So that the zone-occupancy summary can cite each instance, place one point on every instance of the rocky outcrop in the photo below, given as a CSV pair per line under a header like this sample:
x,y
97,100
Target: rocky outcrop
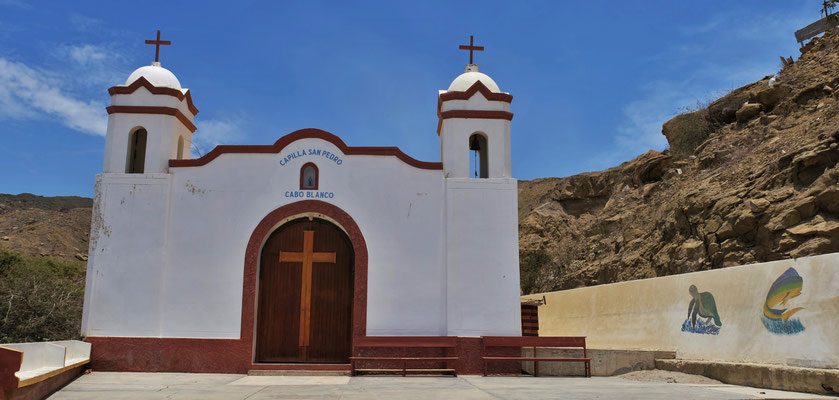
x,y
739,185
687,131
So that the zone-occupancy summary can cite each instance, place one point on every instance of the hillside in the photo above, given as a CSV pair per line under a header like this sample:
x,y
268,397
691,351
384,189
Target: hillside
x,y
739,184
45,226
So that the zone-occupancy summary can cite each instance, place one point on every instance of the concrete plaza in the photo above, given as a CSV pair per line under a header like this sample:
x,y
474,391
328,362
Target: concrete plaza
x,y
112,385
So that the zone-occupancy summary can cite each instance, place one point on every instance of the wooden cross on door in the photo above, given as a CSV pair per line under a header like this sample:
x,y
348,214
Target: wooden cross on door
x,y
307,257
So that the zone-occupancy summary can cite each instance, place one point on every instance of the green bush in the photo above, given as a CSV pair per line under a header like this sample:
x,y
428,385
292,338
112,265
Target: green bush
x,y
530,265
40,298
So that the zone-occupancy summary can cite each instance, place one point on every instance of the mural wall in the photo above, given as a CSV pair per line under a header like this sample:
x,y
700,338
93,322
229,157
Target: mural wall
x,y
781,312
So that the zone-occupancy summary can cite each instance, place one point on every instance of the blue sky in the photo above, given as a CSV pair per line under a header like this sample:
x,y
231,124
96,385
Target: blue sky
x,y
592,80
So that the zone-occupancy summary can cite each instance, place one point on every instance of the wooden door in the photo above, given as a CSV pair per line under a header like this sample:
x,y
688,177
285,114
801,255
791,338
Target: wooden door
x,y
305,294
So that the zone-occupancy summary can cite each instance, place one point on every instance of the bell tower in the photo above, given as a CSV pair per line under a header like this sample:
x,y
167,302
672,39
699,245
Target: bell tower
x,y
481,206
150,120
474,121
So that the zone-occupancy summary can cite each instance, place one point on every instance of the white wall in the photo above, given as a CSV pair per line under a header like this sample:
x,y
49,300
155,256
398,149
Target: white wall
x,y
483,267
167,259
127,257
648,314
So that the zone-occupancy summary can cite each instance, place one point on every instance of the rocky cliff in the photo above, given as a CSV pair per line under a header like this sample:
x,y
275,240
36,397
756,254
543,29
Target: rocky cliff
x,y
750,178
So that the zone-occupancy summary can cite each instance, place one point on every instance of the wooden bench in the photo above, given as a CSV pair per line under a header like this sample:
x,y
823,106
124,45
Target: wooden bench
x,y
535,342
416,343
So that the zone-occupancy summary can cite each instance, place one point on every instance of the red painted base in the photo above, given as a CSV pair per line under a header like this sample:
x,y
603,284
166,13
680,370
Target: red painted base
x,y
233,356
43,389
169,355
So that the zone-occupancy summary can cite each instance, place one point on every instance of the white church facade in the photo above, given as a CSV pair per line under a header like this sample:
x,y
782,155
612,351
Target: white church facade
x,y
278,256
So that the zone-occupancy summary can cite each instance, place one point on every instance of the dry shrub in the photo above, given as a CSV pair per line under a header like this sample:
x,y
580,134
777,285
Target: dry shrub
x,y
40,298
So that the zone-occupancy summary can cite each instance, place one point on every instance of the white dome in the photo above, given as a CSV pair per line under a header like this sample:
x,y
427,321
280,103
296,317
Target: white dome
x,y
156,75
467,79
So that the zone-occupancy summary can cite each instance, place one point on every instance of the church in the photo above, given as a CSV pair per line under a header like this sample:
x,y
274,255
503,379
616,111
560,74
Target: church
x,y
279,256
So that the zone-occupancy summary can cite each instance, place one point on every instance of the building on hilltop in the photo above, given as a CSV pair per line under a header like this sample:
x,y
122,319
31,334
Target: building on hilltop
x,y
259,256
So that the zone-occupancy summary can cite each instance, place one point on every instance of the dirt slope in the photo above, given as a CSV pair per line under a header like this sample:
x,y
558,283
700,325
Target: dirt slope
x,y
45,226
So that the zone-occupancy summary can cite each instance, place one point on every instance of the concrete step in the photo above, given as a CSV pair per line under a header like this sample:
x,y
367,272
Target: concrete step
x,y
298,372
770,376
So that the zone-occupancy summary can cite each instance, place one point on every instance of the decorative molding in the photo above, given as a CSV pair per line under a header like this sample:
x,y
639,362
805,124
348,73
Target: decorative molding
x,y
476,87
309,133
473,114
477,114
143,82
153,110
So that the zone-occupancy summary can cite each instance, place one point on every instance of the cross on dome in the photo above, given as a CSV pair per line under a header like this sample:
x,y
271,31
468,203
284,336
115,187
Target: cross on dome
x,y
471,48
157,43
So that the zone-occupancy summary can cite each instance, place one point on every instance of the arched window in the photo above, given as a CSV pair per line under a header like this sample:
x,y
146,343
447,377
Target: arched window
x,y
180,148
479,156
136,151
309,177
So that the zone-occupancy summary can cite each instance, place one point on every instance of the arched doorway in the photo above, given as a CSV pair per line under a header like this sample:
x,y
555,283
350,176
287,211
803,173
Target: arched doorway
x,y
305,302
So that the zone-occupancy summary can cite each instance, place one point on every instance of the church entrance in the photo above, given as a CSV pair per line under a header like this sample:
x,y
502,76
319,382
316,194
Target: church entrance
x,y
305,294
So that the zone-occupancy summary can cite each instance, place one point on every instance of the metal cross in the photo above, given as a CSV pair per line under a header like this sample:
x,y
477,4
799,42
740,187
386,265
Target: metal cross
x,y
157,43
471,48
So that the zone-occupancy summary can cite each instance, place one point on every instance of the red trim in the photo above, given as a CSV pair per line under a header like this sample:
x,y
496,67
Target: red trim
x,y
476,87
309,133
232,355
143,82
153,110
472,114
10,363
479,114
317,176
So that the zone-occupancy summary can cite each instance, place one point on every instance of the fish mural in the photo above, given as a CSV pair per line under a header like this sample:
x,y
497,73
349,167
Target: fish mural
x,y
702,305
780,320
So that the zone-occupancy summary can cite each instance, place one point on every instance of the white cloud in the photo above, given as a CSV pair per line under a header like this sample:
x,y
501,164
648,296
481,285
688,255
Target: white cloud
x,y
642,120
87,67
86,54
712,24
83,23
639,129
15,3
26,93
212,133
698,71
